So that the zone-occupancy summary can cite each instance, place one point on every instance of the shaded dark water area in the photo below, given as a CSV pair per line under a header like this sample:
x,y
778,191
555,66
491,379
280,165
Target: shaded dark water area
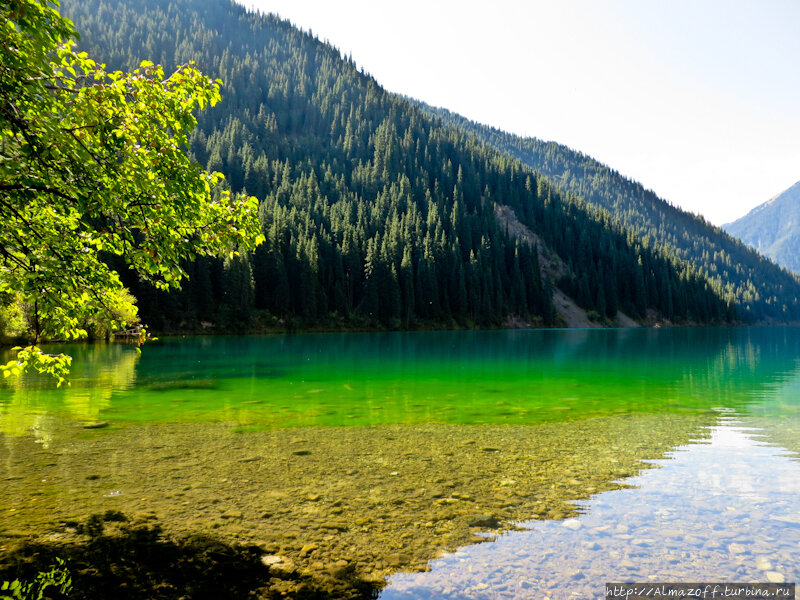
x,y
325,465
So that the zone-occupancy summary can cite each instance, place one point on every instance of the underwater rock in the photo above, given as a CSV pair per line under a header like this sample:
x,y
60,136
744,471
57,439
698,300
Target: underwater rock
x,y
487,521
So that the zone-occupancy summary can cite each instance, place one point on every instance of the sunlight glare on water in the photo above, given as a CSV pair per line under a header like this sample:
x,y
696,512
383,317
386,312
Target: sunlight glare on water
x,y
724,509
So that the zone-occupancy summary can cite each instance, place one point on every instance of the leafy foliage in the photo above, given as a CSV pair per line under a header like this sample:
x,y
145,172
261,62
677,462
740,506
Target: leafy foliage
x,y
375,215
57,576
93,164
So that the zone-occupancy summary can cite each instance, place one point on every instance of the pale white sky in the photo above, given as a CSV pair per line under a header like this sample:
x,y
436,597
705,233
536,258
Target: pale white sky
x,y
698,100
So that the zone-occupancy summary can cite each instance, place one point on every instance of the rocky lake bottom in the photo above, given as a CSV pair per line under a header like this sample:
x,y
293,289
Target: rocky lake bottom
x,y
330,510
722,510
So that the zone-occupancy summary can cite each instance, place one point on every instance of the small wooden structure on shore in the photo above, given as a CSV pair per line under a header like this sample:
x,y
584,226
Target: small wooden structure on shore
x,y
135,335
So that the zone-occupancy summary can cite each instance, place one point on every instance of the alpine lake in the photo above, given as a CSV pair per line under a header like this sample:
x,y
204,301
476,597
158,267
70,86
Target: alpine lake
x,y
471,464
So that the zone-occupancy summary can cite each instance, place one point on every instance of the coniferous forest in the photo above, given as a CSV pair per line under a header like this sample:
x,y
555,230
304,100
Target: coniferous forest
x,y
375,213
761,289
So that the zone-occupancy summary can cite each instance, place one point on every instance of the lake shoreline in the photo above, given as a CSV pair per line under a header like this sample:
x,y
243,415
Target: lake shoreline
x,y
286,330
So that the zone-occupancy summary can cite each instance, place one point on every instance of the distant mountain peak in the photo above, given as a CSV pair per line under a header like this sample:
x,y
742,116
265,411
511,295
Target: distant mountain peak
x,y
773,228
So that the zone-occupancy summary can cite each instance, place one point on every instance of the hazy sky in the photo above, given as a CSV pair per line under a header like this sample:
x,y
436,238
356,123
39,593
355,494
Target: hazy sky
x,y
698,100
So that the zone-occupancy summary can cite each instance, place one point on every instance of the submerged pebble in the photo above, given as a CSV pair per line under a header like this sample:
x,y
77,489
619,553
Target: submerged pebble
x,y
775,577
763,564
736,548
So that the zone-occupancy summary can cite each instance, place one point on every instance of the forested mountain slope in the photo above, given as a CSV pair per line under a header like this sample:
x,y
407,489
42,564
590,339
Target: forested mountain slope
x,y
375,214
761,289
773,228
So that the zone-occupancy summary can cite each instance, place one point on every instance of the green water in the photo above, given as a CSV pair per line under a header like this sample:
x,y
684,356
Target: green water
x,y
337,463
497,377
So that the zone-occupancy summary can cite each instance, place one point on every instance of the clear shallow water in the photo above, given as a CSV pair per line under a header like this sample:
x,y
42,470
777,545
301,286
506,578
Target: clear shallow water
x,y
722,509
381,451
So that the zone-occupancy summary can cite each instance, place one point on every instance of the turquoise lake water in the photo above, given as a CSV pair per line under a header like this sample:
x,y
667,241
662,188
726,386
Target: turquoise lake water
x,y
663,453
